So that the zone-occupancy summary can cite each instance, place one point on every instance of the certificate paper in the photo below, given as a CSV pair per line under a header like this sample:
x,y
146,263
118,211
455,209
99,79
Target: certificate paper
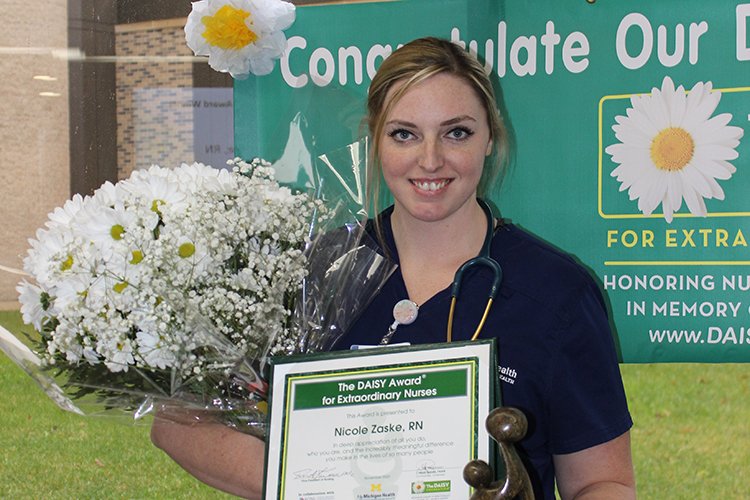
x,y
379,423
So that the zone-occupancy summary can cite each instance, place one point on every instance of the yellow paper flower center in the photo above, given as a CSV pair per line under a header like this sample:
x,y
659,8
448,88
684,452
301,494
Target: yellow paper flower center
x,y
227,29
672,149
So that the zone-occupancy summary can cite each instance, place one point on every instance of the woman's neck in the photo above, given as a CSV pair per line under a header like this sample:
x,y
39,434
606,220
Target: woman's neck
x,y
430,253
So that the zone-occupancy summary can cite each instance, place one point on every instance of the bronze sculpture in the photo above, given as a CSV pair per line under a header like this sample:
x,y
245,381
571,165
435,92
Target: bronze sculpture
x,y
506,426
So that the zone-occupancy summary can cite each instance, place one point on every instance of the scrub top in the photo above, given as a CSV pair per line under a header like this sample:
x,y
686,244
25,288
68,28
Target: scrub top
x,y
556,355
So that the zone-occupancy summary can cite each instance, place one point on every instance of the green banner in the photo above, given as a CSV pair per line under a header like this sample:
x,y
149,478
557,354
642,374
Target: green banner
x,y
631,140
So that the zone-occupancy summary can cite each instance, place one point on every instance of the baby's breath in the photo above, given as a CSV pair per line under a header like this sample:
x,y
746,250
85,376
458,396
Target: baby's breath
x,y
170,269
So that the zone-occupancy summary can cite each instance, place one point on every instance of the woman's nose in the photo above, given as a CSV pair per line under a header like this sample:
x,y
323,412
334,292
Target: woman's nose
x,y
431,157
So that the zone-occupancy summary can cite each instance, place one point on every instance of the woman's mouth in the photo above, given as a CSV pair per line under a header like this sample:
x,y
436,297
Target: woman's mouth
x,y
431,185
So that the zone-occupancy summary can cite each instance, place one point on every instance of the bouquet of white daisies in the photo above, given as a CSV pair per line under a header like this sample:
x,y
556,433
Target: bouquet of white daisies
x,y
175,285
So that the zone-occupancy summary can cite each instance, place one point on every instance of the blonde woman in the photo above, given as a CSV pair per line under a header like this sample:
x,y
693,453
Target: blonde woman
x,y
439,144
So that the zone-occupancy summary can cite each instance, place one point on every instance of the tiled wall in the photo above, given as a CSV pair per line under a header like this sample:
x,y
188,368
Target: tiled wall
x,y
154,116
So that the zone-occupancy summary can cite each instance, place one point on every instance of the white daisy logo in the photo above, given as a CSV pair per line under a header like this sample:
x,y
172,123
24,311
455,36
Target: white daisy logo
x,y
672,149
239,36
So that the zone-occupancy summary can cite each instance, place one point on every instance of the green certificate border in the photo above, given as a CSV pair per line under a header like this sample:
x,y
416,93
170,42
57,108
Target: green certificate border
x,y
292,373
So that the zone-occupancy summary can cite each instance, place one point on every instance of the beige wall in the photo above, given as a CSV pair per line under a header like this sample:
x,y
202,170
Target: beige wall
x,y
34,157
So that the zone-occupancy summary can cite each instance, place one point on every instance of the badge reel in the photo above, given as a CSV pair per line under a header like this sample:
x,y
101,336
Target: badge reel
x,y
404,313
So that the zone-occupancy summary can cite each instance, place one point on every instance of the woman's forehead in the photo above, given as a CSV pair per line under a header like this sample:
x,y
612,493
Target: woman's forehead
x,y
440,93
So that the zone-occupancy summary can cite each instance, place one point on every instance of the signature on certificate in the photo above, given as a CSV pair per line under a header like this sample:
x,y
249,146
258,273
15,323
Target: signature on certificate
x,y
429,467
311,474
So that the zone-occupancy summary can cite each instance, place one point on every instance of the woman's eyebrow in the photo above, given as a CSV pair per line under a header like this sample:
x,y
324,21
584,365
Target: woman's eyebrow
x,y
458,119
402,123
450,121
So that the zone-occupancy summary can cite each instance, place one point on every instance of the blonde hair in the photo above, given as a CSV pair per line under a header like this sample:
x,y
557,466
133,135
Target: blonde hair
x,y
411,64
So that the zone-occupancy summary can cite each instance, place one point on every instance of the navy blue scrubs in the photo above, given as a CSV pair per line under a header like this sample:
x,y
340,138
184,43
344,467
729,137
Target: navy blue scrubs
x,y
555,348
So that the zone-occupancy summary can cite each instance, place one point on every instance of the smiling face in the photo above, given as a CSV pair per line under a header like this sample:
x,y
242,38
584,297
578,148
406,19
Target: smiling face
x,y
432,151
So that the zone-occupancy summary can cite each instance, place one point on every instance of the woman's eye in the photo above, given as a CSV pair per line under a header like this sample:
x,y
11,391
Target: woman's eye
x,y
459,133
400,134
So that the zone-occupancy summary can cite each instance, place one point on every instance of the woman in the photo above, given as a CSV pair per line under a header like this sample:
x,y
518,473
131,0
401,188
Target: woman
x,y
438,143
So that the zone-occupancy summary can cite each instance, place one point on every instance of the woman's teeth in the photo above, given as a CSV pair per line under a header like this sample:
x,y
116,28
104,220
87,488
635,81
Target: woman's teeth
x,y
431,185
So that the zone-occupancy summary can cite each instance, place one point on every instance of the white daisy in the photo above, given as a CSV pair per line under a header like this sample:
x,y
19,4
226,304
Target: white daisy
x,y
155,350
33,304
48,255
154,189
118,354
239,36
60,218
107,194
71,292
671,149
105,226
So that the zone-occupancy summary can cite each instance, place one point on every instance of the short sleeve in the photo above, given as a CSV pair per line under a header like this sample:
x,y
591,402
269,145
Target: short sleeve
x,y
586,403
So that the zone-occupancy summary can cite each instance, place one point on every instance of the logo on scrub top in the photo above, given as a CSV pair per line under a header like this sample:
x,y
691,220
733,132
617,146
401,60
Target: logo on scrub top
x,y
507,374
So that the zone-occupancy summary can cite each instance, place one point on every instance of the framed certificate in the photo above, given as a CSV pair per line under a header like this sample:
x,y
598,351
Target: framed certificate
x,y
391,422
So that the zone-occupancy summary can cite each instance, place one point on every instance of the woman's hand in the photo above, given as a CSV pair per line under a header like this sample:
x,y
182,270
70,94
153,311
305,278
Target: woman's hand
x,y
212,452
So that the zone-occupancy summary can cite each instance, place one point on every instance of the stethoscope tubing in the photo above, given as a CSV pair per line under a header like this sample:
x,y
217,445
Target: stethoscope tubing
x,y
483,259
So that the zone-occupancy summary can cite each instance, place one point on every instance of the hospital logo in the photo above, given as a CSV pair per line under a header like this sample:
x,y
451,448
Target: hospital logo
x,y
376,493
507,374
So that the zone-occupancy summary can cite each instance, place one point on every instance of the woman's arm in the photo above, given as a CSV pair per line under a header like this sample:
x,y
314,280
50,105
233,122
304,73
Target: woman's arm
x,y
601,472
214,453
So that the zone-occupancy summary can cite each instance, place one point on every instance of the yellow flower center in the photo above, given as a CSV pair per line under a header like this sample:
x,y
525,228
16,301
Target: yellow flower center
x,y
186,250
117,231
227,29
672,149
120,287
156,206
137,257
67,263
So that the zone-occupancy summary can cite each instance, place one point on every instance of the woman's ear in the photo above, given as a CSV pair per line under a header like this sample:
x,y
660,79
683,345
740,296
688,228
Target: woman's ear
x,y
490,143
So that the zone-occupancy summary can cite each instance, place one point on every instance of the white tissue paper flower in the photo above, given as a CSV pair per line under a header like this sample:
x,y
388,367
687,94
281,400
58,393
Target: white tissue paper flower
x,y
239,36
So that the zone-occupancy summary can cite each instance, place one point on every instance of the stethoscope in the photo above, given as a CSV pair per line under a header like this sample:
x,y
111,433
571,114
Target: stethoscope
x,y
405,311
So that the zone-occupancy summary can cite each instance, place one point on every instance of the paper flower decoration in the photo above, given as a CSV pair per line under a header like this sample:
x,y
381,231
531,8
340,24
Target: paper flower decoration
x,y
671,149
239,36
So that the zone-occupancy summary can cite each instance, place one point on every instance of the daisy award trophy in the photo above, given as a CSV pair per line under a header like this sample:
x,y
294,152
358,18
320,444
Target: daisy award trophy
x,y
391,422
